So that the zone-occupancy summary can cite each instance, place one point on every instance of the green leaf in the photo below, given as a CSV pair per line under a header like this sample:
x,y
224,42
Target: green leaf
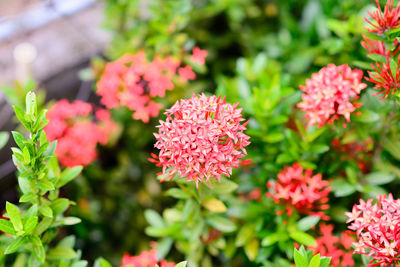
x,y
270,239
61,253
153,218
315,261
68,175
28,197
15,217
67,221
100,262
20,113
59,206
342,188
4,136
38,248
377,58
46,185
251,249
325,262
222,224
303,238
31,103
244,235
30,224
366,116
379,178
46,211
299,260
163,247
27,156
177,193
14,245
214,205
181,264
224,187
43,225
7,227
307,223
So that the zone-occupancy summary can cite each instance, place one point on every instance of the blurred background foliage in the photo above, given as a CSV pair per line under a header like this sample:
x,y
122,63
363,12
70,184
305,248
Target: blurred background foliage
x,y
259,52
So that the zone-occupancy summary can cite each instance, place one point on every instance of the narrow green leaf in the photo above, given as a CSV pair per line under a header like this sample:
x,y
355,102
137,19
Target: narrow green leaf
x,y
28,197
68,175
30,224
299,260
307,223
315,261
177,193
251,249
222,224
270,240
14,245
46,211
7,227
181,264
38,248
153,218
303,238
379,178
59,206
61,253
100,262
15,217
4,136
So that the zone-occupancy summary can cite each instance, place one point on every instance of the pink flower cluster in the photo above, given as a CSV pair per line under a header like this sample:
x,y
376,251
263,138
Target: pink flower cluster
x,y
377,227
134,82
145,259
388,20
336,247
77,136
329,94
299,189
202,137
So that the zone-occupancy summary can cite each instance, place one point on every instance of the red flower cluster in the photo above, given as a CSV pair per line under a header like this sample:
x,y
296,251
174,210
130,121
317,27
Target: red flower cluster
x,y
77,135
299,189
385,78
336,247
388,20
202,137
145,259
330,92
377,227
134,82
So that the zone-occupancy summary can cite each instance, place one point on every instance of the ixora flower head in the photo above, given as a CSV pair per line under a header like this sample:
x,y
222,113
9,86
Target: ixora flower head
x,y
377,227
202,137
388,20
134,82
71,124
330,93
336,247
298,189
145,259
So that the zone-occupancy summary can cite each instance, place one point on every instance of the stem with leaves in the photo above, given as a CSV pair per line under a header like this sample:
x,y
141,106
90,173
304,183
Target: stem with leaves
x,y
32,226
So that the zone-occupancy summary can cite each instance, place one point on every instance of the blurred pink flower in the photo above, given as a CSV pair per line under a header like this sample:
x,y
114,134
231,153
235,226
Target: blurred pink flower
x,y
338,248
145,259
299,189
134,82
202,137
377,227
199,56
186,73
330,94
76,134
388,20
